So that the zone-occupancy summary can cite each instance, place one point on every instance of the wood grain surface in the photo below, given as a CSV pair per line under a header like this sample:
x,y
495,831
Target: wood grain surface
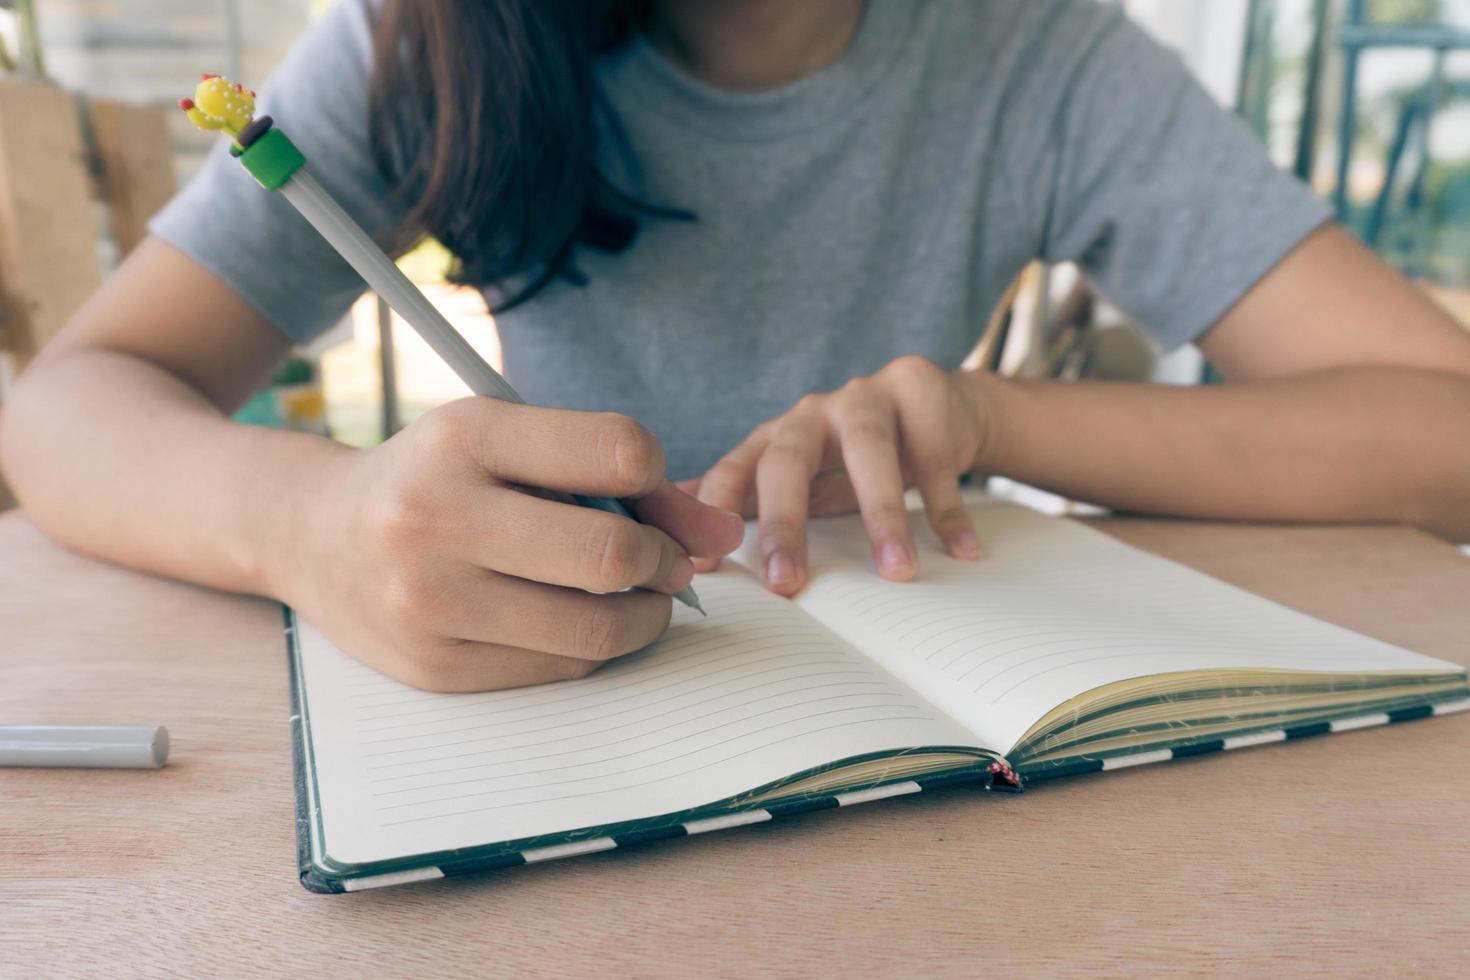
x,y
1341,855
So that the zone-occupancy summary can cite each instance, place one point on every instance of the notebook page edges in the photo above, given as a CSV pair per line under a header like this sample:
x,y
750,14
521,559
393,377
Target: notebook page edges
x,y
1056,609
719,706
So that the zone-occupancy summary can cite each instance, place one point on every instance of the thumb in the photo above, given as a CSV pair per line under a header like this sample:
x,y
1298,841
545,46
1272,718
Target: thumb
x,y
704,531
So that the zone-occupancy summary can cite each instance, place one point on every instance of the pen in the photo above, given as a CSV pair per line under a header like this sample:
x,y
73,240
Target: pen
x,y
277,165
84,746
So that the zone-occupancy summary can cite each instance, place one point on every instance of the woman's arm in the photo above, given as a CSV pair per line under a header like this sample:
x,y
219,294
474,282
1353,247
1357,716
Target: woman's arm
x,y
421,556
116,442
1349,401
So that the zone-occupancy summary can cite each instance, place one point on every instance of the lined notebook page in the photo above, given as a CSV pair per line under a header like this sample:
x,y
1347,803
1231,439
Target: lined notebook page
x,y
1056,609
756,692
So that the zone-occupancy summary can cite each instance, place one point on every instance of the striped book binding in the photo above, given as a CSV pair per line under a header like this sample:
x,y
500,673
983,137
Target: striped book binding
x,y
905,788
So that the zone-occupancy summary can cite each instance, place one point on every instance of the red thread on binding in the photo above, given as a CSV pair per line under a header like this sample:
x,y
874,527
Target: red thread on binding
x,y
1003,773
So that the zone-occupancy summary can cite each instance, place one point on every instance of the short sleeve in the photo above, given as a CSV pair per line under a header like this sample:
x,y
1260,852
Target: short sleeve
x,y
252,239
1166,202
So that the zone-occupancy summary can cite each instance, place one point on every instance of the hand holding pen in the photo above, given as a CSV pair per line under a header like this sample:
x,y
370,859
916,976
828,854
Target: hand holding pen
x,y
462,580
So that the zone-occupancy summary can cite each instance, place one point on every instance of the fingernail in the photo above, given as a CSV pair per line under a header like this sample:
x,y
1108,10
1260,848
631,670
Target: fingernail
x,y
681,576
964,544
896,556
780,569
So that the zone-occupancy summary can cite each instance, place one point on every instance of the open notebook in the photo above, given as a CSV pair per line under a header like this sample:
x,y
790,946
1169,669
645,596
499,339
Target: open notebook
x,y
1063,651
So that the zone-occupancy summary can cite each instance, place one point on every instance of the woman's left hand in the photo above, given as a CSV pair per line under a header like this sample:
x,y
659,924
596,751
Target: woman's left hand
x,y
859,447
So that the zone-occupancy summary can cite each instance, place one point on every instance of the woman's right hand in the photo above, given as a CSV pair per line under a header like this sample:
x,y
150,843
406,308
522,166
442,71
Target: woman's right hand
x,y
428,558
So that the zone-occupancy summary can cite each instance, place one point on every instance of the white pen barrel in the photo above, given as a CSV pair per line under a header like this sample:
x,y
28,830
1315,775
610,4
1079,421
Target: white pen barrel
x,y
389,282
84,746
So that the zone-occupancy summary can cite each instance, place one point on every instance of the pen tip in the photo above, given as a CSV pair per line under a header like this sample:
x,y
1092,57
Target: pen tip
x,y
687,596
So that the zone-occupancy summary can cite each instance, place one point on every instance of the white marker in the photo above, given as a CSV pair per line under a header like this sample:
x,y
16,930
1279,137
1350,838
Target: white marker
x,y
84,746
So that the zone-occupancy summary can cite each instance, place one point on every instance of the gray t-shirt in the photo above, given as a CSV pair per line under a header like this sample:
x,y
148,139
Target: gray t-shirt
x,y
876,208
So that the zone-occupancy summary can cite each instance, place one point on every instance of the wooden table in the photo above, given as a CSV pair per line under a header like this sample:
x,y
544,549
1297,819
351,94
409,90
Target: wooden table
x,y
1341,854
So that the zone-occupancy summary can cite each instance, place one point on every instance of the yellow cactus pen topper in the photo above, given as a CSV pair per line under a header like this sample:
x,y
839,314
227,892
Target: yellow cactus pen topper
x,y
228,107
277,165
218,104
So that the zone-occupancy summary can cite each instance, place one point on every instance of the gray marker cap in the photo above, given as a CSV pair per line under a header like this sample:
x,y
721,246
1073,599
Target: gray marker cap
x,y
84,746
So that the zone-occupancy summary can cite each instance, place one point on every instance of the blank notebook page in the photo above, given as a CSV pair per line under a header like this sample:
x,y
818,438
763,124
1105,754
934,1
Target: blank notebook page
x,y
1053,610
755,693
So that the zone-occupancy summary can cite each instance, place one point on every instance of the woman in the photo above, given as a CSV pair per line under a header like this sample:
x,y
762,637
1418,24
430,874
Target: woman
x,y
769,233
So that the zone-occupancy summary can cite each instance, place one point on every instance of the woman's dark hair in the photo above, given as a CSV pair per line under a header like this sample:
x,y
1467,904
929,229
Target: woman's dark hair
x,y
484,118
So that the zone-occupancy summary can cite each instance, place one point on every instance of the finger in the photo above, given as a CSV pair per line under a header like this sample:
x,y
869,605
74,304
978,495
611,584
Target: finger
x,y
922,427
705,531
730,483
461,666
595,453
870,455
783,480
947,515
487,607
564,544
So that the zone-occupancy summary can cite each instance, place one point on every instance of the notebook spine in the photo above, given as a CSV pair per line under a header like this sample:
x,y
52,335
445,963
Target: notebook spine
x,y
311,879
